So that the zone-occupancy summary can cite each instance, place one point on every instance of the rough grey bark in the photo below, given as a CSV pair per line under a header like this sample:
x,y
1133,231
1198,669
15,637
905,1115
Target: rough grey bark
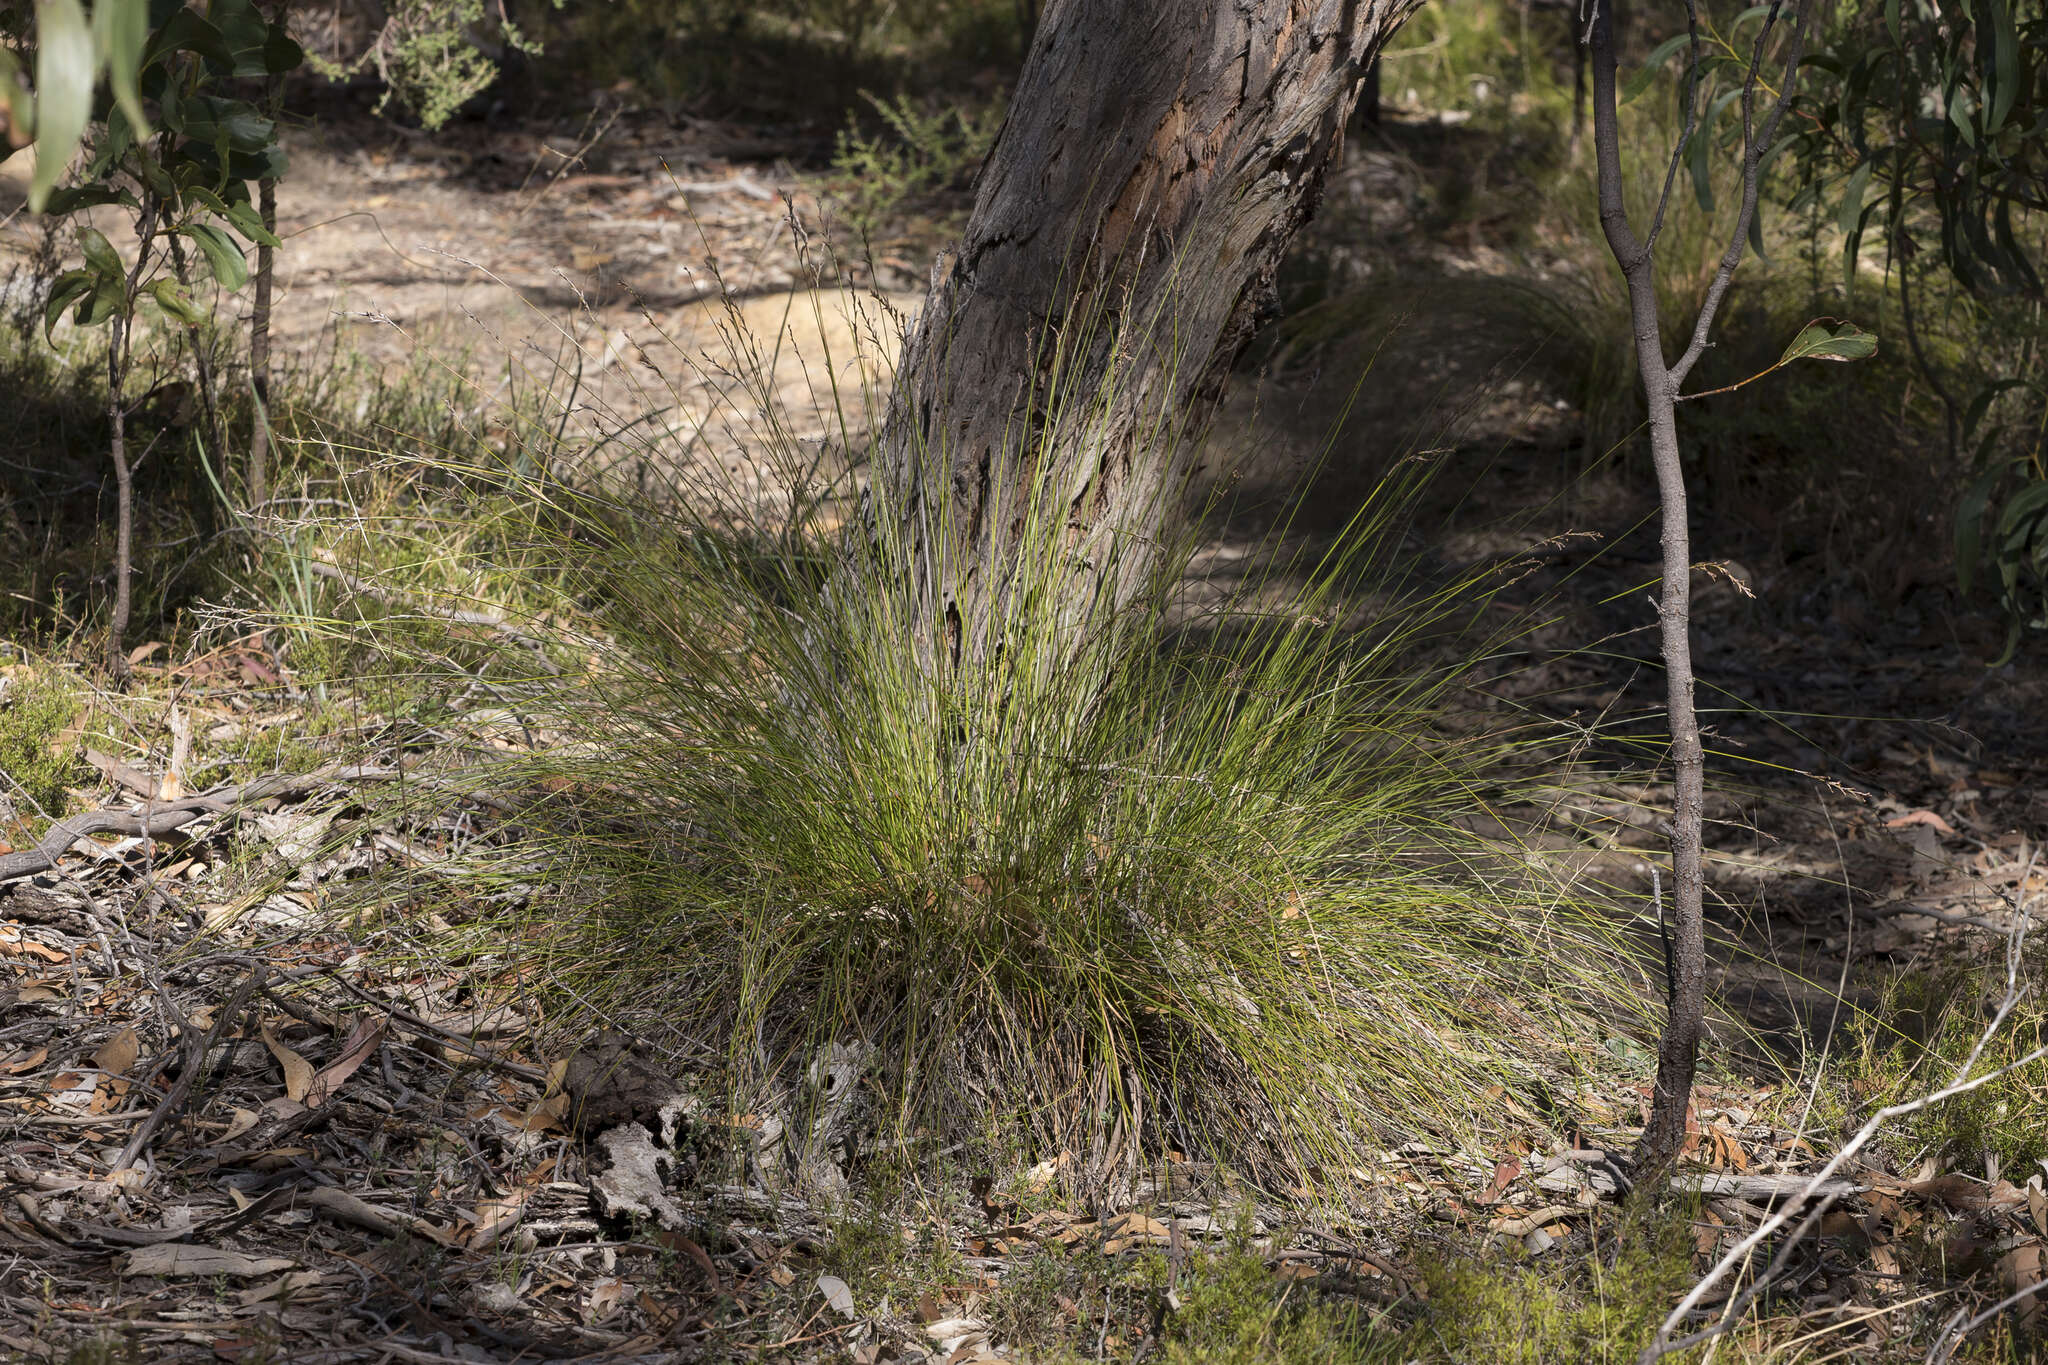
x,y
1159,157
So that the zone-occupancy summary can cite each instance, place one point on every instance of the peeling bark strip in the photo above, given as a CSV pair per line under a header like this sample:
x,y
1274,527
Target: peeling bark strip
x,y
1159,157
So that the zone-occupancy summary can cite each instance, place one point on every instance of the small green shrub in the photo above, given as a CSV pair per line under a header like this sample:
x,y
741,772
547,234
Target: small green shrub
x,y
35,708
1926,1027
1600,1306
924,150
1233,1312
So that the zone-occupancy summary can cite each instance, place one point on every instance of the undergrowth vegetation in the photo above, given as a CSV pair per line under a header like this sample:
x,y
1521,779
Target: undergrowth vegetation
x,y
1928,1024
1181,883
1152,880
36,767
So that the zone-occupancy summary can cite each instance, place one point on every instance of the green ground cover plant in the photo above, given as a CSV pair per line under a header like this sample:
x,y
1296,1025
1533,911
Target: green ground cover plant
x,y
36,707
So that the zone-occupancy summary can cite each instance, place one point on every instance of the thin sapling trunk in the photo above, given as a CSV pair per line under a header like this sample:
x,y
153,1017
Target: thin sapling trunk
x,y
120,355
259,349
1678,1048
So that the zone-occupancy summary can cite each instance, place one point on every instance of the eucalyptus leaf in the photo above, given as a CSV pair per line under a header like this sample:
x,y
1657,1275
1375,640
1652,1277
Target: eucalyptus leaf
x,y
1640,80
99,253
66,68
210,118
65,290
172,298
2002,82
1850,217
249,223
244,33
74,197
186,31
1816,342
281,53
121,27
223,257
108,298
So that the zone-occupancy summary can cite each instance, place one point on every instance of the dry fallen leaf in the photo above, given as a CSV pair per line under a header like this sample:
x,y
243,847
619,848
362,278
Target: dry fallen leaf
x,y
494,1218
2020,1268
605,1297
837,1294
118,1053
282,1286
361,1045
242,1122
1920,817
298,1072
1133,1230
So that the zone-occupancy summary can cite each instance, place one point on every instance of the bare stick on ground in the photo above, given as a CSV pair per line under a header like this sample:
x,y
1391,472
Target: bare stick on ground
x,y
1678,1049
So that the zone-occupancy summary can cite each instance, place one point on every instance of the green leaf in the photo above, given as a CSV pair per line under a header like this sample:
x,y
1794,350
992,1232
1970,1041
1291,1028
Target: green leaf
x,y
185,31
99,253
209,118
75,197
1816,342
1981,403
206,198
243,32
2002,81
281,53
172,298
249,223
66,67
223,257
65,290
109,296
1969,528
121,27
1699,160
1647,72
2016,522
1850,216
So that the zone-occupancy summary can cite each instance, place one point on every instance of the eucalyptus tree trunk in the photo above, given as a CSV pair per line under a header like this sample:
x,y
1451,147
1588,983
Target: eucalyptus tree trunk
x,y
1159,157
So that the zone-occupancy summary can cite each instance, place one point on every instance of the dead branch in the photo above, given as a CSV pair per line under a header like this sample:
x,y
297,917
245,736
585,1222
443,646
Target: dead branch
x,y
154,820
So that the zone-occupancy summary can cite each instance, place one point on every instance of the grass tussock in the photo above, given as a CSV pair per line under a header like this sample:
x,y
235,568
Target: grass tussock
x,y
1176,874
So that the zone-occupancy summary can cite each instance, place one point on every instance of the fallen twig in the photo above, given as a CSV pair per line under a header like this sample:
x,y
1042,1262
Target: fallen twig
x,y
341,1204
400,1012
188,1074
